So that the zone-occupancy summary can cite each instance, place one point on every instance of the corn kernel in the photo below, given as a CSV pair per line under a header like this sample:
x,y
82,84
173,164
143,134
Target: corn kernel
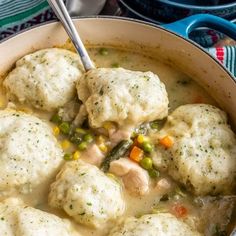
x,y
56,131
100,139
65,144
76,155
141,138
103,147
108,125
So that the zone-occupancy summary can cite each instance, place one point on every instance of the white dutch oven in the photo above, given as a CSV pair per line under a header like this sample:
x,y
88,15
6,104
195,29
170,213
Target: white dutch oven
x,y
137,36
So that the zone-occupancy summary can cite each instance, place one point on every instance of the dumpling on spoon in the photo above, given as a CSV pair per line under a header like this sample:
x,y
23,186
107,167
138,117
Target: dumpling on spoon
x,y
122,96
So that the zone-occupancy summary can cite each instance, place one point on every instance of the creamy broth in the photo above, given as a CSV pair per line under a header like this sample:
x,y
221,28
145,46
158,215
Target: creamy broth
x,y
181,90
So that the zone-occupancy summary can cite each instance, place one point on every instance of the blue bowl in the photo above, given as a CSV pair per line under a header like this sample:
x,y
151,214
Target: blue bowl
x,y
172,10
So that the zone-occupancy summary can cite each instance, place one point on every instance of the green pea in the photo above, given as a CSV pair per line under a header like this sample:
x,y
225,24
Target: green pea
x,y
65,127
88,138
56,119
103,51
67,157
82,146
147,147
153,173
115,65
146,163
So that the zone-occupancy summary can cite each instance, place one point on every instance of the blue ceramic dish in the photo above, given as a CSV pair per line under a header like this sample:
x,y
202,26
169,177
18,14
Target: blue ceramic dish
x,y
172,10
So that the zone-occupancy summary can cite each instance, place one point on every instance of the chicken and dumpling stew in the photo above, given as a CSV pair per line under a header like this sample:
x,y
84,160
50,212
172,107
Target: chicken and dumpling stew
x,y
133,148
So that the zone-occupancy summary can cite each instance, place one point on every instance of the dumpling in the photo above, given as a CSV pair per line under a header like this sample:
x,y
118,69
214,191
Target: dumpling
x,y
45,79
203,156
18,219
29,154
122,96
162,224
87,194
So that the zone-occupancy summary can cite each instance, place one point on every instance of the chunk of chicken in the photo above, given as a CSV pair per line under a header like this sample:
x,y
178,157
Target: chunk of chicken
x,y
135,179
93,155
118,135
163,186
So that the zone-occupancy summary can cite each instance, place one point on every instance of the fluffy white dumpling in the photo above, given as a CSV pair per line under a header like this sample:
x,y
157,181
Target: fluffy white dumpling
x,y
29,153
122,96
18,219
33,222
162,224
203,156
87,194
45,79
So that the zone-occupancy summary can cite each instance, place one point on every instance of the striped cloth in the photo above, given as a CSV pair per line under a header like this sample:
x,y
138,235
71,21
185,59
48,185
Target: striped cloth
x,y
226,55
16,15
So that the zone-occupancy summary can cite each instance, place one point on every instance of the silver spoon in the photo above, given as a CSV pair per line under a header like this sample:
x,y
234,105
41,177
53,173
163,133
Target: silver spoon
x,y
64,17
84,7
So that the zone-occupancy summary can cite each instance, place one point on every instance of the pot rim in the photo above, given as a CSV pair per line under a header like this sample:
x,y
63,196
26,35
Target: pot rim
x,y
124,19
197,7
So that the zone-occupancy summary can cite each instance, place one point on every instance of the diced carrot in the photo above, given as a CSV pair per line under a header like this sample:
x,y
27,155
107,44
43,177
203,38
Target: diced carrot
x,y
136,154
167,142
179,210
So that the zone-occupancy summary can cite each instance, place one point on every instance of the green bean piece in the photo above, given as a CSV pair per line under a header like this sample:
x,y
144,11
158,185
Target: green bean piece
x,y
154,125
64,127
153,173
147,147
88,138
68,157
146,163
80,131
82,146
142,129
116,153
103,51
56,119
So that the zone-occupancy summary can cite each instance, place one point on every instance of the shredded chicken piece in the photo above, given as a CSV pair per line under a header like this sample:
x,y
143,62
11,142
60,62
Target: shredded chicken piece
x,y
93,155
135,179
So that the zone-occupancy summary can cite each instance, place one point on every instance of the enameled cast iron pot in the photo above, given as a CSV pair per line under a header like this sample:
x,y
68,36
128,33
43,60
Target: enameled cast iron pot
x,y
172,10
136,35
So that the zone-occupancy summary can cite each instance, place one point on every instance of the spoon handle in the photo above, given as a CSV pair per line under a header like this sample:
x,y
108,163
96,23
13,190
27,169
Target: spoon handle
x,y
63,15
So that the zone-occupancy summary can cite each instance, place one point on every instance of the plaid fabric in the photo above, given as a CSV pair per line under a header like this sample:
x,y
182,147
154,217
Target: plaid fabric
x,y
16,15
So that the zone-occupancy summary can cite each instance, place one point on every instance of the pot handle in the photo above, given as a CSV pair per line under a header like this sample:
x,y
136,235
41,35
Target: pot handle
x,y
185,26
